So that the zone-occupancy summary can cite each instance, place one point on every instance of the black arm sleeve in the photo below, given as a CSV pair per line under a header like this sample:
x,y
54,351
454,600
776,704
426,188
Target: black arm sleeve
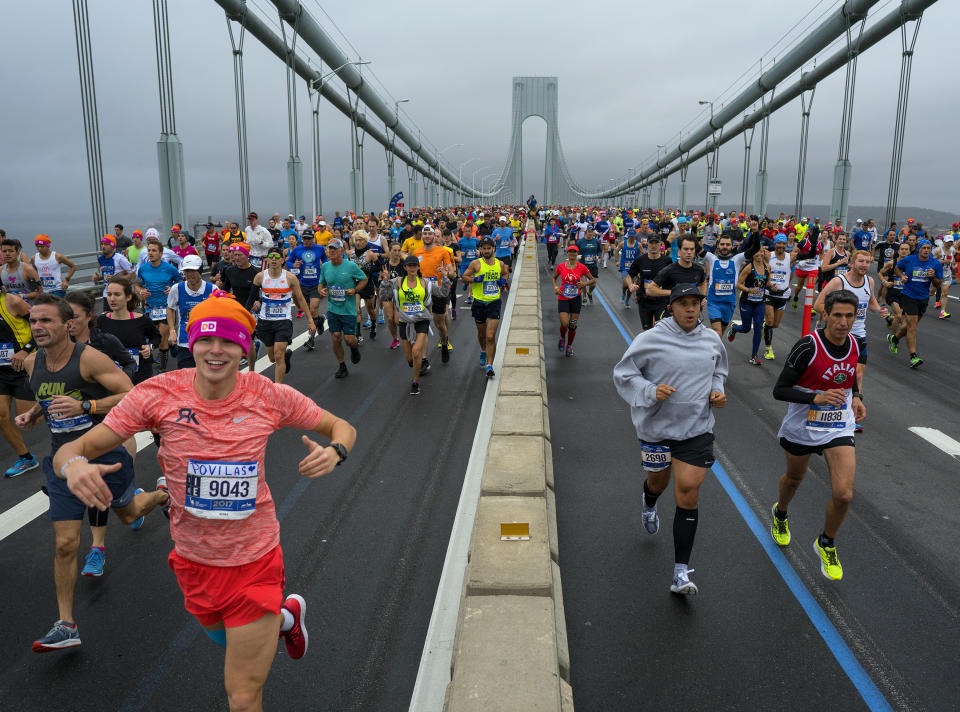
x,y
111,346
252,297
800,357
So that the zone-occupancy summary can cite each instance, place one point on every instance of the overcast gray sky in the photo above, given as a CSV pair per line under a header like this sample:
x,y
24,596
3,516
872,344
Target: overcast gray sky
x,y
626,83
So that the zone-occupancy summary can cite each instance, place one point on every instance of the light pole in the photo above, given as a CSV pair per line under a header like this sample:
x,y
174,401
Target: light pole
x,y
439,156
473,178
483,180
391,181
460,177
314,89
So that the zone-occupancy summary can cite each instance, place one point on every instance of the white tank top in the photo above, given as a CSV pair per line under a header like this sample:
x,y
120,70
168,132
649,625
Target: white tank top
x,y
276,297
780,276
51,278
859,327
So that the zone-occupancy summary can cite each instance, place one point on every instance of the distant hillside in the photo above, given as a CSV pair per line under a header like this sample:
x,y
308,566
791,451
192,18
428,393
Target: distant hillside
x,y
930,218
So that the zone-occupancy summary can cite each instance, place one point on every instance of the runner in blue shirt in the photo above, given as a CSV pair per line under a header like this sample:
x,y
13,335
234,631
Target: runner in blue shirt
x,y
503,240
629,251
722,268
156,277
919,272
589,247
307,259
469,248
861,237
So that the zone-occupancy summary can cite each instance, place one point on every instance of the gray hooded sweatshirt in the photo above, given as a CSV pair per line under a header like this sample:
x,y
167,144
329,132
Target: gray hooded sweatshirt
x,y
694,363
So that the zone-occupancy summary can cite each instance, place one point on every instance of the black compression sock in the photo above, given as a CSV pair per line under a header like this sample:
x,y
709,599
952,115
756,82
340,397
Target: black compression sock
x,y
767,335
913,354
779,514
684,531
895,341
825,540
649,498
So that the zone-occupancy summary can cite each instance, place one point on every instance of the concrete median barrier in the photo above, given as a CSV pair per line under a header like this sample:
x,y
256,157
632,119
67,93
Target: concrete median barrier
x,y
510,649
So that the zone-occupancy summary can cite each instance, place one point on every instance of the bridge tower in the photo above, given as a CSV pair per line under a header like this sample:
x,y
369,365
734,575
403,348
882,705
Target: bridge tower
x,y
534,96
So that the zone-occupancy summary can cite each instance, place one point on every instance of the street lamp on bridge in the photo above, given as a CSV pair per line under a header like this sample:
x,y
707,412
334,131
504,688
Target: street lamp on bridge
x,y
460,177
439,156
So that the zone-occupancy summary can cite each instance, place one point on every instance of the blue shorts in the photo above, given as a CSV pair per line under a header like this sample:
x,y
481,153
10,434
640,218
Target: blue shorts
x,y
64,505
624,273
720,311
346,324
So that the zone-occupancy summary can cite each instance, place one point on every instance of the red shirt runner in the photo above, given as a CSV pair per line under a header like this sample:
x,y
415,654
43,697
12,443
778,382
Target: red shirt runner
x,y
569,279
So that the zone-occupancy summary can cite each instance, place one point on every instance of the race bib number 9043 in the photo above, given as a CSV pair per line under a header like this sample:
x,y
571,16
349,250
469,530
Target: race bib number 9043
x,y
221,490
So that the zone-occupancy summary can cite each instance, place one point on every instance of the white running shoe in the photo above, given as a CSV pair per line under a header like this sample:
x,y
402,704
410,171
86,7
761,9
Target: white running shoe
x,y
651,520
683,585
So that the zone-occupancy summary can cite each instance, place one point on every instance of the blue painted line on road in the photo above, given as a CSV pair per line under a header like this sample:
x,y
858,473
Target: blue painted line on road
x,y
831,636
171,657
616,322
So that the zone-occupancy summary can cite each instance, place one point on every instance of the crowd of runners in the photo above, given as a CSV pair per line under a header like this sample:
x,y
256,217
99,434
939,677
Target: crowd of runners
x,y
690,274
168,347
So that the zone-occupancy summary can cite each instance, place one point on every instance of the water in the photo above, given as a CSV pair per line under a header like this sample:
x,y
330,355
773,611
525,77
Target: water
x,y
74,234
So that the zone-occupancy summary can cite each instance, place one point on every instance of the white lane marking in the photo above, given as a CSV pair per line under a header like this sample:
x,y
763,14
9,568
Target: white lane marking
x,y
433,675
36,504
938,439
22,513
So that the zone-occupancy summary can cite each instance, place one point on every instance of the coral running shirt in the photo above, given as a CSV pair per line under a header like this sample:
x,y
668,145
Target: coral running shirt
x,y
231,431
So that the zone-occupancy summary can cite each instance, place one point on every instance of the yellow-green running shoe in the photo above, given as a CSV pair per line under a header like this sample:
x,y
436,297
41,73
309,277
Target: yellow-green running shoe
x,y
829,563
779,528
769,354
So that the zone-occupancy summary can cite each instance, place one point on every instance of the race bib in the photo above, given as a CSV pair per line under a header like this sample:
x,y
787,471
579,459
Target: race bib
x,y
7,350
655,457
256,262
337,294
67,424
412,308
309,272
589,259
221,490
825,418
135,355
49,282
275,311
158,313
861,312
491,288
722,288
295,271
571,291
778,279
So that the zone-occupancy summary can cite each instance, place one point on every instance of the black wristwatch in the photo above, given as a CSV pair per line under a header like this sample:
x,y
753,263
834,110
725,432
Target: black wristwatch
x,y
341,451
86,406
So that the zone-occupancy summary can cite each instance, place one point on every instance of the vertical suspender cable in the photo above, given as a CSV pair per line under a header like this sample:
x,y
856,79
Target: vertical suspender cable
x,y
241,104
91,126
899,131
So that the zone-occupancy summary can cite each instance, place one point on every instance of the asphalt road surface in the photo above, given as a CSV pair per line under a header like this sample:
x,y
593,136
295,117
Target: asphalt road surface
x,y
364,546
767,631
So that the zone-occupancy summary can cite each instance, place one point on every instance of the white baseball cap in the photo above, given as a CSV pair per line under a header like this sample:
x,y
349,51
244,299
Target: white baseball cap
x,y
191,262
502,219
152,232
948,238
859,221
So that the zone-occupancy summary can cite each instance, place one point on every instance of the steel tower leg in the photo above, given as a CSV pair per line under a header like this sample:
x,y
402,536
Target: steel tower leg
x,y
806,103
173,192
294,164
316,199
906,64
91,125
241,111
760,203
714,168
843,171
